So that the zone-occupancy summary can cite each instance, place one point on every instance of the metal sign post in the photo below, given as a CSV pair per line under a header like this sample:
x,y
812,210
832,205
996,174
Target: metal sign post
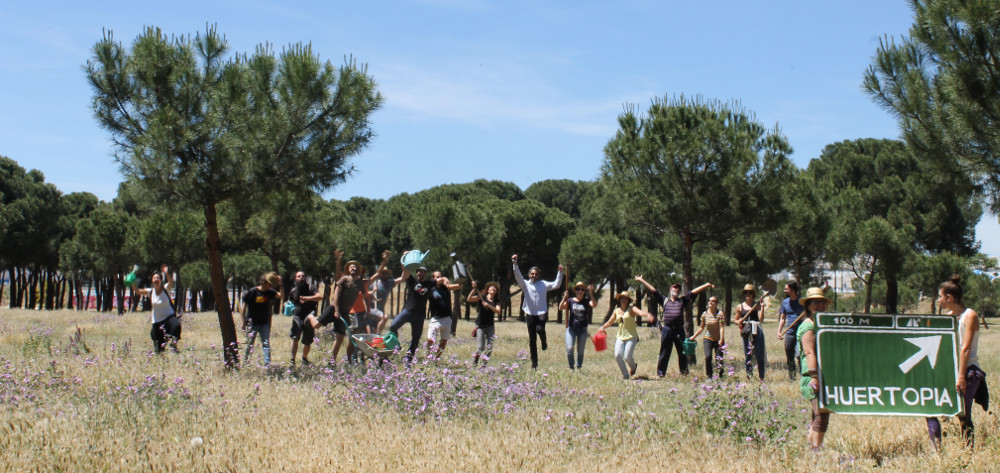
x,y
899,365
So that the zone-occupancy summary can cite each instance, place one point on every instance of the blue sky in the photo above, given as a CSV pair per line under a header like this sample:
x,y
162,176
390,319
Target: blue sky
x,y
519,91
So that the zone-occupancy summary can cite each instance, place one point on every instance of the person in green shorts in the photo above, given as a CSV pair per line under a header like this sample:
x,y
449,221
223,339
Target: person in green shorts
x,y
814,302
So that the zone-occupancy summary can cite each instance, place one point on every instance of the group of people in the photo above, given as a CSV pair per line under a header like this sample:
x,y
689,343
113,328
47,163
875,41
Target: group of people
x,y
359,305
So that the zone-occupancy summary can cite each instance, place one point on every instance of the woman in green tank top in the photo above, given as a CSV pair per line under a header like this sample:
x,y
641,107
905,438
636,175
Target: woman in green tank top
x,y
814,301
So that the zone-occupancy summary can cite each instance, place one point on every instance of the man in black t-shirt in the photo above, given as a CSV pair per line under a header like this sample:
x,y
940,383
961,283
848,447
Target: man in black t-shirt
x,y
305,298
440,308
415,309
256,312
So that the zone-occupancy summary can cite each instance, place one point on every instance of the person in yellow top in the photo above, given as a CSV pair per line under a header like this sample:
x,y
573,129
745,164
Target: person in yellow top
x,y
626,315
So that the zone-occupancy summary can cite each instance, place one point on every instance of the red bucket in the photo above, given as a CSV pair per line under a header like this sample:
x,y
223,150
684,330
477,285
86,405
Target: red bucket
x,y
600,341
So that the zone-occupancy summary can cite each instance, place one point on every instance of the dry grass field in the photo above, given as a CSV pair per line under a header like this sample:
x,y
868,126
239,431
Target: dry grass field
x,y
82,391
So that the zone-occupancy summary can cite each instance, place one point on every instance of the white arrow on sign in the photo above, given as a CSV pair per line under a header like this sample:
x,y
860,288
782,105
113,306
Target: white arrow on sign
x,y
928,348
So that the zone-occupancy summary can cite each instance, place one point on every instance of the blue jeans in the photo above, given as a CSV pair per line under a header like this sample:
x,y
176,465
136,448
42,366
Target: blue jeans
x,y
753,345
416,322
579,337
671,336
265,341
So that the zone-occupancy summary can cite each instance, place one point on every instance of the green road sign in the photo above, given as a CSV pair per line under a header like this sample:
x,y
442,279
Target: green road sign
x,y
902,365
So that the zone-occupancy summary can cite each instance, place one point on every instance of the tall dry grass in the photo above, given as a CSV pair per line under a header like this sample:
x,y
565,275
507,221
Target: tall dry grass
x,y
83,392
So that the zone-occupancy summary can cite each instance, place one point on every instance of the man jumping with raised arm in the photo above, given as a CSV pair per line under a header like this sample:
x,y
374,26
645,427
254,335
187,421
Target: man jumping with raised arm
x,y
535,305
672,324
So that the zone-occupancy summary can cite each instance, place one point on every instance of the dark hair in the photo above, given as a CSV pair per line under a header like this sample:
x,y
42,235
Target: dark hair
x,y
534,268
952,288
793,286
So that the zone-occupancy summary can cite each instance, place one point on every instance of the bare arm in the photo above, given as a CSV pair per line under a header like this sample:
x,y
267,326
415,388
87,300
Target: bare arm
x,y
637,312
168,279
381,267
971,327
340,269
703,287
610,322
336,299
474,295
781,322
590,291
809,349
649,287
701,328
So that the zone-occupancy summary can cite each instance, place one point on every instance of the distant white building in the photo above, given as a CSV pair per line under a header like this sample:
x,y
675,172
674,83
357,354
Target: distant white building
x,y
838,279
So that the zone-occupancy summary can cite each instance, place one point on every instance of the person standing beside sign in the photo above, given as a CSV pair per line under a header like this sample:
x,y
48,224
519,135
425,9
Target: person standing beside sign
x,y
814,301
788,314
970,377
749,317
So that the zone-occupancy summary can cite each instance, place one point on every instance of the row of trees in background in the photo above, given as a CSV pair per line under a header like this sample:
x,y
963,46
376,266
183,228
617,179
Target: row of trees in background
x,y
226,157
866,205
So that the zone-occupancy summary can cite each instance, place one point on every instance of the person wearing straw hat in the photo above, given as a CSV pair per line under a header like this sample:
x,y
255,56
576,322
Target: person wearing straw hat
x,y
627,316
672,334
535,305
580,306
813,302
713,323
489,308
749,317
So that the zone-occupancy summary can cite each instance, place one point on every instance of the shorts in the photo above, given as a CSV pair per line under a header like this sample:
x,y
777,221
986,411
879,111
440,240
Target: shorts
x,y
339,326
439,329
302,330
373,318
356,320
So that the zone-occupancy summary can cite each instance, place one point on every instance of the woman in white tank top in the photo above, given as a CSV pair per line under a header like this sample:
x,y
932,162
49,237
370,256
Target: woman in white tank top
x,y
970,378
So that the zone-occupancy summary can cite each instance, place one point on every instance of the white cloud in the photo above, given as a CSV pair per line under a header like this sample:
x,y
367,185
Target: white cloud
x,y
491,92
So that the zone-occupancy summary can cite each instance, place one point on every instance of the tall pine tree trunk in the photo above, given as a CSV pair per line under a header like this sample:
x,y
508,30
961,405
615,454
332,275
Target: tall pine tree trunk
x,y
891,293
213,245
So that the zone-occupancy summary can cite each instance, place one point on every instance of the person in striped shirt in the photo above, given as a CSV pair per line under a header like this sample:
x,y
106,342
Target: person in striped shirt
x,y
713,323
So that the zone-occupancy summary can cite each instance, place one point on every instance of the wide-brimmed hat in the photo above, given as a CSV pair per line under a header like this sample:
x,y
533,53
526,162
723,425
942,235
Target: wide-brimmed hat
x,y
813,293
623,294
578,285
361,267
491,283
749,288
